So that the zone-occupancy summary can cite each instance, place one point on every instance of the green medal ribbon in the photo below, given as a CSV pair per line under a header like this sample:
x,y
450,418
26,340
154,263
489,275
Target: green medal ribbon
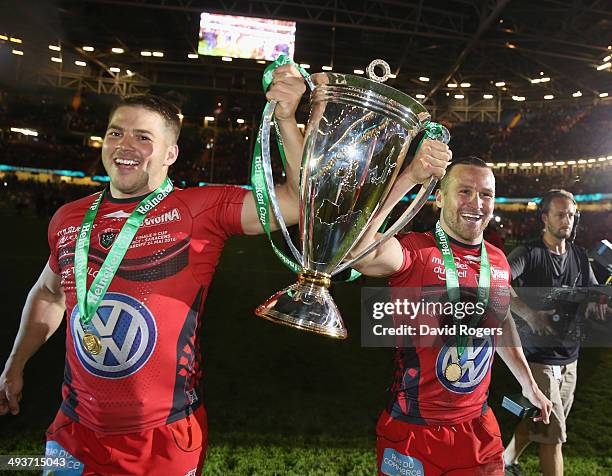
x,y
452,280
88,301
258,178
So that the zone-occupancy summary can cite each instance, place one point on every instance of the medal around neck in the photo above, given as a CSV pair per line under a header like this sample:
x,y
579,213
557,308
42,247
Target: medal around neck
x,y
357,136
92,343
453,372
88,301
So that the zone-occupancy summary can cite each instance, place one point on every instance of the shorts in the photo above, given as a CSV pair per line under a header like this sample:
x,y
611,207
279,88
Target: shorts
x,y
176,449
473,448
560,391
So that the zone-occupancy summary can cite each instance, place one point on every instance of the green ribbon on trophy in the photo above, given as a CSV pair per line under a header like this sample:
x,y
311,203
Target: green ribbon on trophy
x,y
89,301
454,370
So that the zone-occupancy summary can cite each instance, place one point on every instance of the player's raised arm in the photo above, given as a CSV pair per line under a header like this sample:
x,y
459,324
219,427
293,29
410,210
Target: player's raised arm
x,y
41,316
431,160
287,89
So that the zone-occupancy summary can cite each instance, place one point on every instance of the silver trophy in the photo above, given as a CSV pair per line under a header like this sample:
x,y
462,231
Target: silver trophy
x,y
357,136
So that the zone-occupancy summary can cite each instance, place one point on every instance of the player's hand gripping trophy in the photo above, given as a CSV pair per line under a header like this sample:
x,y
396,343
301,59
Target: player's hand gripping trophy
x,y
357,136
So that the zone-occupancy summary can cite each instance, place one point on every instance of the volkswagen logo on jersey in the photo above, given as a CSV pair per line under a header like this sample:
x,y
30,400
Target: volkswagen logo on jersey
x,y
128,333
478,358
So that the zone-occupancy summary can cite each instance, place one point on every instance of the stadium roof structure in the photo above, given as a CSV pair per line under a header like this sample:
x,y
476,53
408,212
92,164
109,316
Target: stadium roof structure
x,y
453,54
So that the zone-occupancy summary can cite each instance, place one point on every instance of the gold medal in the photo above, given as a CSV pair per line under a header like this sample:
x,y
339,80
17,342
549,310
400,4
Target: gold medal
x,y
92,343
453,372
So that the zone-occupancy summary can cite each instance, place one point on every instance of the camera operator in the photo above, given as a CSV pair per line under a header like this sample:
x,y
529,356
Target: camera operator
x,y
551,261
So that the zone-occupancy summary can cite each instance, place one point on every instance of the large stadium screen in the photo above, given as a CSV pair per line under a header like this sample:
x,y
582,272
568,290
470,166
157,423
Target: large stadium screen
x,y
245,37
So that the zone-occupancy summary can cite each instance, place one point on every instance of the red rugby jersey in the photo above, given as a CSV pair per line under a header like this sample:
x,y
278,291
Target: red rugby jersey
x,y
148,372
420,393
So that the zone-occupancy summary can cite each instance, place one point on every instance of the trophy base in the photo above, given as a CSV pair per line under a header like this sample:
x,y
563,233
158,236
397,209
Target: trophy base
x,y
306,306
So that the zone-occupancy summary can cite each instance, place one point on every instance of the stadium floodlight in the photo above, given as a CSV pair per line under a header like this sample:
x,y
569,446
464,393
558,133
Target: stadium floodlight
x,y
606,65
358,71
17,52
582,161
518,98
158,54
459,96
261,61
537,164
88,48
145,53
209,118
425,79
96,138
603,95
240,121
513,164
305,65
55,59
465,85
326,68
117,51
55,48
227,59
16,40
3,38
114,69
548,164
192,56
590,161
526,164
490,164
502,164
499,84
571,162
24,131
601,159
549,96
560,162
452,85
577,94
487,96
545,79
609,157
129,72
420,96
536,81
607,58
80,63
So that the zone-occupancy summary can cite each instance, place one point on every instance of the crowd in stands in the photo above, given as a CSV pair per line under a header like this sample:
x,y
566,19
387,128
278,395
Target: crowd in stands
x,y
544,135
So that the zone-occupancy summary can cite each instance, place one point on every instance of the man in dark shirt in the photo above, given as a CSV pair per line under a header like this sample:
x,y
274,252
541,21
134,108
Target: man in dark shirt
x,y
551,261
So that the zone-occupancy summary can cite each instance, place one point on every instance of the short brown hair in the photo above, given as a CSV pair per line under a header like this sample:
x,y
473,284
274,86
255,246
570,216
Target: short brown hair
x,y
168,111
469,160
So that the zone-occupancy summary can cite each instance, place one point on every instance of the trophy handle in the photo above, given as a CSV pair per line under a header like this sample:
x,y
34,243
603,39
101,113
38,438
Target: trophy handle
x,y
433,131
401,222
267,168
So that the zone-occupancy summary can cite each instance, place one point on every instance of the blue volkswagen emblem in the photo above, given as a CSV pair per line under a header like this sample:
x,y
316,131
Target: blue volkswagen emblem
x,y
128,333
478,360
